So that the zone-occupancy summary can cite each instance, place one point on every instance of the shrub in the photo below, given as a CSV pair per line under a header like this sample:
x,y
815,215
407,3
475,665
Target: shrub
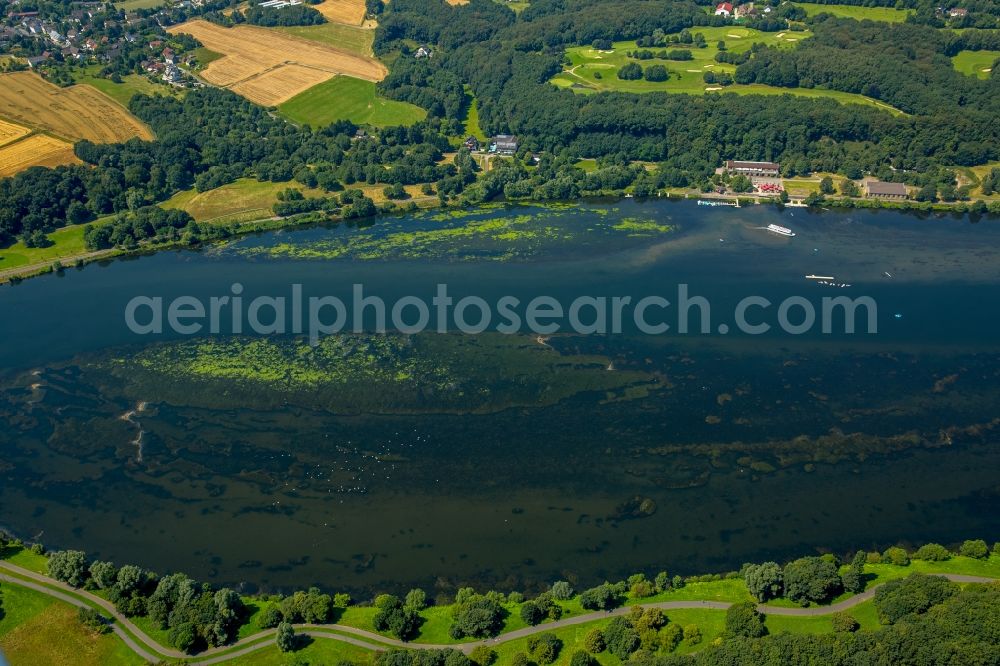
x,y
594,641
544,647
271,617
285,638
561,590
692,634
671,636
932,552
182,636
744,621
483,656
392,616
581,658
656,73
811,579
602,597
93,620
764,581
531,613
976,548
476,616
630,72
642,589
842,622
416,599
896,555
621,638
662,581
68,566
912,595
103,574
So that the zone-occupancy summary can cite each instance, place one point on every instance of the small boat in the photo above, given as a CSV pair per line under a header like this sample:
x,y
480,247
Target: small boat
x,y
887,274
819,277
781,231
898,316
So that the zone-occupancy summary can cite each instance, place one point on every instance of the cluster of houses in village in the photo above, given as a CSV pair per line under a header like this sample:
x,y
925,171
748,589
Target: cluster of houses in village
x,y
745,10
76,38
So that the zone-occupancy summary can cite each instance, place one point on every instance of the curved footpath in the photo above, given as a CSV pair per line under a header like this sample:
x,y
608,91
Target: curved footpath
x,y
133,636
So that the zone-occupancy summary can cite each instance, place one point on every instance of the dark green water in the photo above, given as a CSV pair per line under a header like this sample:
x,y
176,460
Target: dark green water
x,y
378,462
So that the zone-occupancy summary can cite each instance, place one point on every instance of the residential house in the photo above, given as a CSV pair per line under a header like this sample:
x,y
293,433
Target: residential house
x,y
422,52
724,9
764,169
746,10
35,61
958,12
880,190
472,143
504,144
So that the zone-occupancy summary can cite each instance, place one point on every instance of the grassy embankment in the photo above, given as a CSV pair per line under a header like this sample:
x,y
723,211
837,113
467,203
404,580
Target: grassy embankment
x,y
884,14
131,85
28,606
592,70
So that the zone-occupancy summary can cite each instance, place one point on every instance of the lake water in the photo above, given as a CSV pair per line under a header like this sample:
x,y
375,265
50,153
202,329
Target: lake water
x,y
378,462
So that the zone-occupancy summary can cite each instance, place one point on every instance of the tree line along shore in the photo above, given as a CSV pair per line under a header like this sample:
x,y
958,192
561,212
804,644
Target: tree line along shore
x,y
799,600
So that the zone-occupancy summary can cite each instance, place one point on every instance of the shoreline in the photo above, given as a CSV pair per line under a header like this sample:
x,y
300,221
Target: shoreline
x,y
59,264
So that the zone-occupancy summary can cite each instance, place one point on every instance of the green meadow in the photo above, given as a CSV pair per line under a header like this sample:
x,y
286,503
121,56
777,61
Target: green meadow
x,y
591,70
885,14
348,38
131,85
346,98
975,63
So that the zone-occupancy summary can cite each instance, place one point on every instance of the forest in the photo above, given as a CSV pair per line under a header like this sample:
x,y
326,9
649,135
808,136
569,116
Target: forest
x,y
506,62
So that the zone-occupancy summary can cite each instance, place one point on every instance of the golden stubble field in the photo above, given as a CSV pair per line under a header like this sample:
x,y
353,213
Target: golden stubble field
x,y
73,113
269,67
348,12
36,150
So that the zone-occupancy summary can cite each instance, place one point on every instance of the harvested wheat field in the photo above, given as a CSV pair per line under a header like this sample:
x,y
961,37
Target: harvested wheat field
x,y
37,150
11,132
269,67
348,12
457,2
279,85
77,112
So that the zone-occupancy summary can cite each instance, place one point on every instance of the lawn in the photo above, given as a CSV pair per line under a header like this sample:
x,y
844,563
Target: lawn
x,y
348,38
975,63
346,98
321,651
472,121
35,629
885,14
67,242
132,5
203,56
591,70
242,200
131,85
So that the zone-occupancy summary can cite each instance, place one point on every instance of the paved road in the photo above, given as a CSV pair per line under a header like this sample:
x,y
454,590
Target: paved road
x,y
373,641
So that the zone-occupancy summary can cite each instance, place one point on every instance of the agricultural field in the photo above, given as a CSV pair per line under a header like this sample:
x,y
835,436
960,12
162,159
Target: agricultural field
x,y
344,37
10,132
347,12
885,14
270,67
346,98
975,63
592,70
74,113
36,150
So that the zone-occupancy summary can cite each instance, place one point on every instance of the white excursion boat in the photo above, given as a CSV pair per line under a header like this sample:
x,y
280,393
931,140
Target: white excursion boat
x,y
783,231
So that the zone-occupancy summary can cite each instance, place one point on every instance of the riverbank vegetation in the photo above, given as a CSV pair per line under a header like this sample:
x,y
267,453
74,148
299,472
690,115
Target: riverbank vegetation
x,y
191,616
